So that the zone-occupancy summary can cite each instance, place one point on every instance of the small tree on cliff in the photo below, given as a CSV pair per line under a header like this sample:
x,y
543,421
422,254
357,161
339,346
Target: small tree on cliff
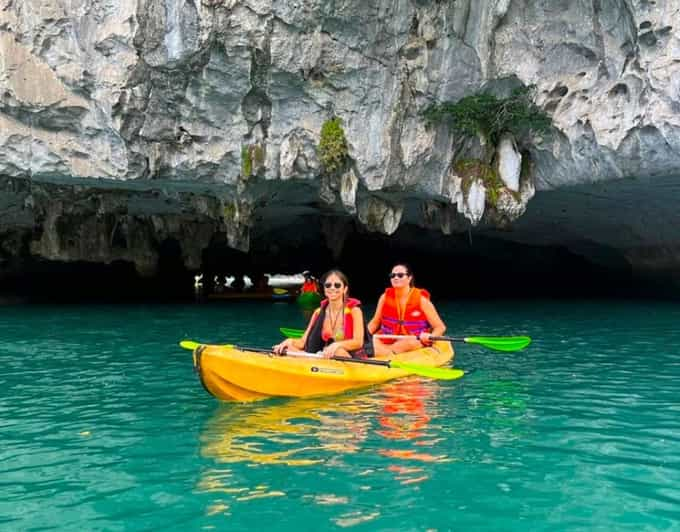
x,y
487,117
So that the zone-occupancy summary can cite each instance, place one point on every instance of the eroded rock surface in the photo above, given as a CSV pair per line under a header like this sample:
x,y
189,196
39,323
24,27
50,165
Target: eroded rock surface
x,y
128,122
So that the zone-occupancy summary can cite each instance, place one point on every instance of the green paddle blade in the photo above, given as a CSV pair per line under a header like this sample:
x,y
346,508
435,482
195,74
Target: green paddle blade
x,y
500,343
189,344
291,333
428,371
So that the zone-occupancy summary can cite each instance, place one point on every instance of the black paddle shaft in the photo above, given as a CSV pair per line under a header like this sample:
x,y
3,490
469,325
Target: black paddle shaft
x,y
341,359
364,361
255,349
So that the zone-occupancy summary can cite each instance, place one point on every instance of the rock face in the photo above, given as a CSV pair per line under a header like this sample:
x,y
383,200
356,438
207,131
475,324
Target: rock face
x,y
124,123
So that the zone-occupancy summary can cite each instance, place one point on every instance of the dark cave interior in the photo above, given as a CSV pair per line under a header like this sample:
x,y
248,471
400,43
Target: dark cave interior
x,y
451,267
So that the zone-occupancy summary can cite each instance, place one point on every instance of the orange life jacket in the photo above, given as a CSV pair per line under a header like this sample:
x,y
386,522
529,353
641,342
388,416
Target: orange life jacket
x,y
410,320
308,286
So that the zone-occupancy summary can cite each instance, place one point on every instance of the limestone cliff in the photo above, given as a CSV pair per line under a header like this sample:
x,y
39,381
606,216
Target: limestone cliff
x,y
127,122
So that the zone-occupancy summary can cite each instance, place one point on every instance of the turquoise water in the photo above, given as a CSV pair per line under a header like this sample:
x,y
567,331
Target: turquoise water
x,y
104,426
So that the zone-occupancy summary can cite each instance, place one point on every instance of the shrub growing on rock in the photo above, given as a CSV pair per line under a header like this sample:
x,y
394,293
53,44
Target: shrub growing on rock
x,y
488,117
332,150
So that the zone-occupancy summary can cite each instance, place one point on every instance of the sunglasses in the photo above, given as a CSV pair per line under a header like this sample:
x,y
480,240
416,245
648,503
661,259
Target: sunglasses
x,y
398,274
332,285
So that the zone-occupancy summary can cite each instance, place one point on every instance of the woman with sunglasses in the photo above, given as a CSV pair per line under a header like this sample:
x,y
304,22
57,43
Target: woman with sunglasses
x,y
336,327
404,310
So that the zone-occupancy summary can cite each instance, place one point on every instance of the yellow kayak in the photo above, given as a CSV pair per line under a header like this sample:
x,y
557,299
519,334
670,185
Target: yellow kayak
x,y
234,374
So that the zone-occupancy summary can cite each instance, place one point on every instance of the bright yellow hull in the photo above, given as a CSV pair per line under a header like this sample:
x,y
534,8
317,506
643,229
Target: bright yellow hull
x,y
232,374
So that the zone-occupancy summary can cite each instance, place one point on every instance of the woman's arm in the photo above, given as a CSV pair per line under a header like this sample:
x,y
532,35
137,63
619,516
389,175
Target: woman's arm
x,y
374,324
299,343
357,341
294,343
432,316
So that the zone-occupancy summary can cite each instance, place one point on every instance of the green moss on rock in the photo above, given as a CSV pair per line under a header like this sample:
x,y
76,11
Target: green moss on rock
x,y
229,212
257,155
332,150
246,162
470,170
252,159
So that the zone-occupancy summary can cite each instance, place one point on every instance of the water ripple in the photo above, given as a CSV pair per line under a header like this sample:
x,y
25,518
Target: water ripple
x,y
105,426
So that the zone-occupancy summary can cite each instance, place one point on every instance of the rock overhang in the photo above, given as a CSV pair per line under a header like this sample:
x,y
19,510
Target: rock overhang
x,y
162,103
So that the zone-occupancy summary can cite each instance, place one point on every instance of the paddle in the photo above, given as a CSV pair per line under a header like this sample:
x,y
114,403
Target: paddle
x,y
291,333
499,343
424,371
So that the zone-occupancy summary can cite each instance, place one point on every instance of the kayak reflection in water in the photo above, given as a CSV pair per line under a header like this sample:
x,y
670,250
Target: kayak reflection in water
x,y
298,432
336,327
404,416
393,421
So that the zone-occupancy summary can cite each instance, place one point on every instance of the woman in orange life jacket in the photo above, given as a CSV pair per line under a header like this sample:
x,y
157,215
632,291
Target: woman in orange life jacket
x,y
404,310
337,327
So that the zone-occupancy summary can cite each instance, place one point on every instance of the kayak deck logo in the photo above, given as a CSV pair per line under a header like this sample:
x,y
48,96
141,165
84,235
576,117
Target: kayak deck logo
x,y
331,371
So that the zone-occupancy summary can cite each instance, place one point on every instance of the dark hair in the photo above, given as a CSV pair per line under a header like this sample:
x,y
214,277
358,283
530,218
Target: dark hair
x,y
408,271
342,276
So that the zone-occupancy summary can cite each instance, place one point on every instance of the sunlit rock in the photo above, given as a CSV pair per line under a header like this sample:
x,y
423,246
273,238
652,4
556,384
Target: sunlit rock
x,y
378,215
348,190
471,205
509,162
297,156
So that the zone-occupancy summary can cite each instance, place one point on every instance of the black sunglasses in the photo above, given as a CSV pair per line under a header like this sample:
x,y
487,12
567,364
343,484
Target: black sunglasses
x,y
398,274
335,285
